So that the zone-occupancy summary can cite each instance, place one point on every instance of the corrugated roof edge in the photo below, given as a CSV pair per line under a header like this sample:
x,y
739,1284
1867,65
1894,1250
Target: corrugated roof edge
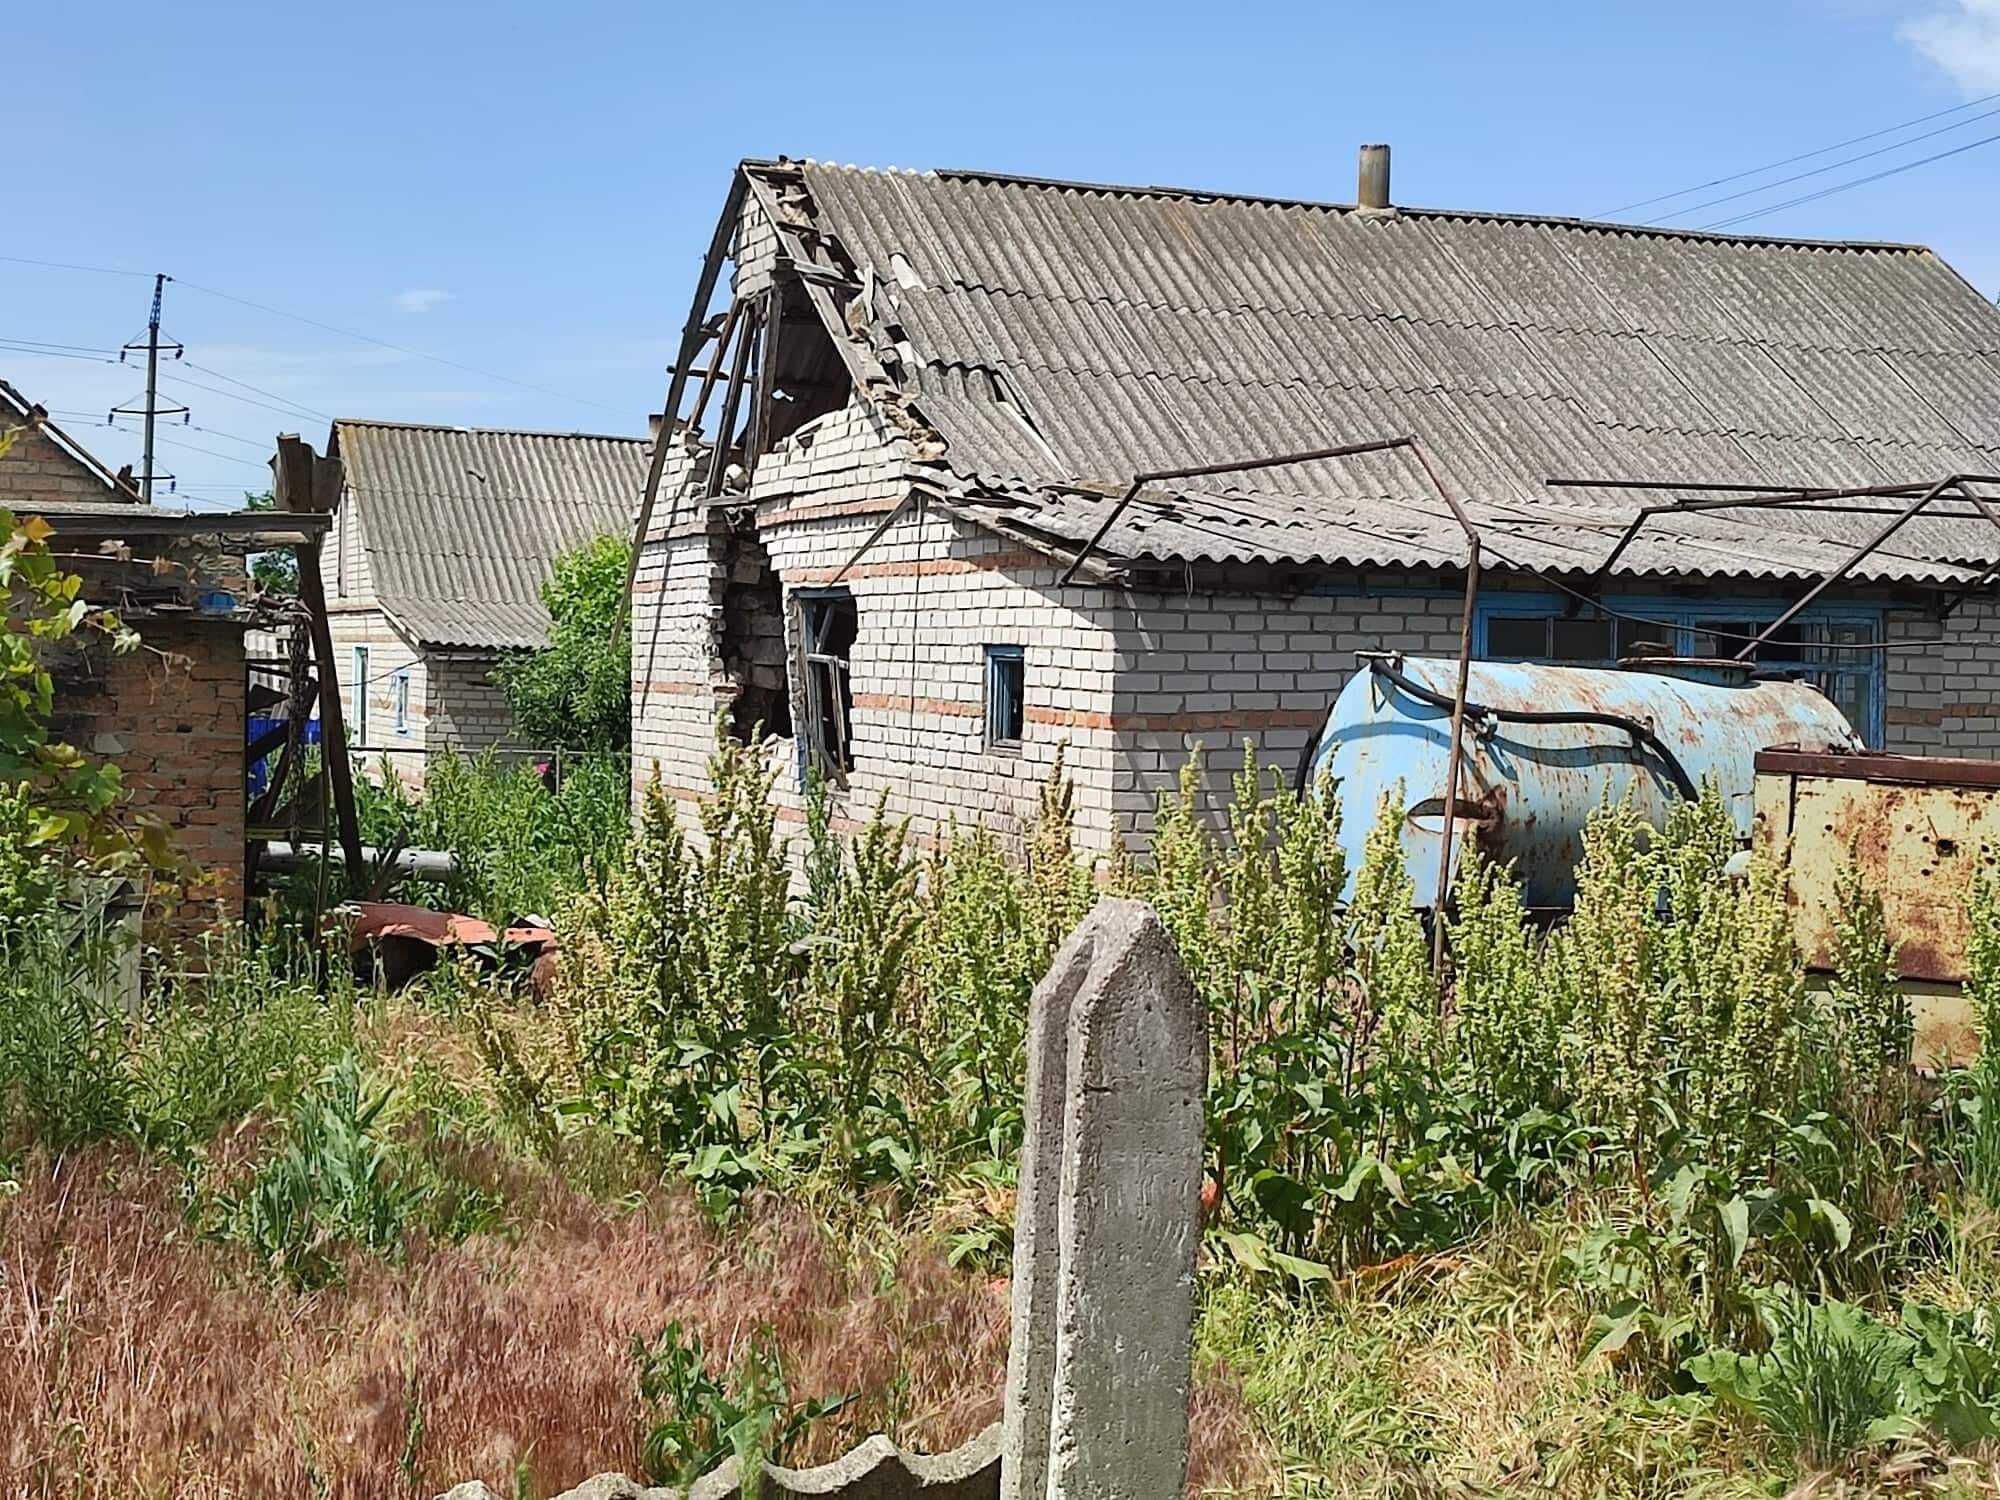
x,y
1554,221
600,437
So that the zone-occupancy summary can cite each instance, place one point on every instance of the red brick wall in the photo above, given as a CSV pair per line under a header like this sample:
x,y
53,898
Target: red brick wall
x,y
36,469
171,716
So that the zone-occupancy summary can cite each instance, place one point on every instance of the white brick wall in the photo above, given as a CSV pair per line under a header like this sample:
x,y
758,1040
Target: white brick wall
x,y
466,711
1130,681
1945,700
931,594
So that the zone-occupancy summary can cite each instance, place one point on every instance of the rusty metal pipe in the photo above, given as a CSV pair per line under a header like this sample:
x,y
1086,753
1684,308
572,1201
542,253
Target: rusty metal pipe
x,y
1234,466
1854,560
1457,756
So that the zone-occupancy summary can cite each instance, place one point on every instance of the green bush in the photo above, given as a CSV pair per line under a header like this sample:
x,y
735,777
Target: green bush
x,y
521,847
576,692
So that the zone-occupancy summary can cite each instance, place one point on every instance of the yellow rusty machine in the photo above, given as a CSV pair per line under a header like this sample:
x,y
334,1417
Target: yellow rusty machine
x,y
1918,826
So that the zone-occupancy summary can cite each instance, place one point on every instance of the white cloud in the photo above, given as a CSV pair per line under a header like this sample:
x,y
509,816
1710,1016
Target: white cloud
x,y
1962,38
420,299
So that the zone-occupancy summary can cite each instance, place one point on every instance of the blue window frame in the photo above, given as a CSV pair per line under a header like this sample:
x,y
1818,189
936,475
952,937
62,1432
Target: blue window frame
x,y
1536,627
1006,695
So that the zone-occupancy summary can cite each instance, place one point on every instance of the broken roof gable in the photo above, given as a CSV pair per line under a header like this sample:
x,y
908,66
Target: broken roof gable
x,y
1053,332
464,524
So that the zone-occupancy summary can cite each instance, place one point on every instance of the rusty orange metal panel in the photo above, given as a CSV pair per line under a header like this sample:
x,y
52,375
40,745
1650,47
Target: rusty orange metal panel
x,y
1916,825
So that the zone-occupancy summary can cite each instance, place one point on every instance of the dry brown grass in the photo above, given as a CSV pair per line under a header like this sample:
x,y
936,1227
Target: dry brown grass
x,y
144,1363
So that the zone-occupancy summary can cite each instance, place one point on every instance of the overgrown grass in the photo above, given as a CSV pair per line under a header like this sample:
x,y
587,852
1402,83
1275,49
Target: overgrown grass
x,y
1625,1208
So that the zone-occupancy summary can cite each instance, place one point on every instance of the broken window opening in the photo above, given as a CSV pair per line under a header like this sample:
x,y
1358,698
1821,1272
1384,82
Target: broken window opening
x,y
752,644
1006,696
807,378
830,623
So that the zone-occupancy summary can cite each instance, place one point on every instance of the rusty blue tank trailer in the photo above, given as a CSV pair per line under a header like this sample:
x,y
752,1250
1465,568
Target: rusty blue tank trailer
x,y
1546,746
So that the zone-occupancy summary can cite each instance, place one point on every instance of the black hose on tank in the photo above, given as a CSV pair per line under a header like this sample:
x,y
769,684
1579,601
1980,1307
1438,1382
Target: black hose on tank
x,y
1676,772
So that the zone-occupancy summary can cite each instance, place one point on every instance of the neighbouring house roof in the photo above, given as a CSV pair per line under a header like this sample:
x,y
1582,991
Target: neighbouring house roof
x,y
1050,339
463,525
17,410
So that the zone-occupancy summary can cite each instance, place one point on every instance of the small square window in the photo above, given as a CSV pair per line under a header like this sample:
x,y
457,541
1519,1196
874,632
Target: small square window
x,y
1006,694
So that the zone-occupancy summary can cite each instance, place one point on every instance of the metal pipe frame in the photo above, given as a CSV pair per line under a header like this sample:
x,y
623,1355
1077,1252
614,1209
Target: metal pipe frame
x,y
1237,466
1748,497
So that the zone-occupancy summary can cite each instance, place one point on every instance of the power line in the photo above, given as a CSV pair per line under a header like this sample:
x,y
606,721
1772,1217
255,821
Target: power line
x,y
93,417
228,458
323,416
347,333
12,348
87,419
1834,166
64,265
1772,166
45,344
216,390
1841,187
438,359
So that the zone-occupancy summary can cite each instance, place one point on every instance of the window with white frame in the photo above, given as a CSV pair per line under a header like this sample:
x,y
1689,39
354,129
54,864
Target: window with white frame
x,y
358,708
399,698
1826,647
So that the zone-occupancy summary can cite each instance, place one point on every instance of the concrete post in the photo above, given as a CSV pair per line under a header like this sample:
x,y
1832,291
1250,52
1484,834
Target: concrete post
x,y
1108,1219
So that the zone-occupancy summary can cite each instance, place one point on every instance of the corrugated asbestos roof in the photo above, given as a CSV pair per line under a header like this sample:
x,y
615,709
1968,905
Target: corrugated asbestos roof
x,y
1051,333
463,525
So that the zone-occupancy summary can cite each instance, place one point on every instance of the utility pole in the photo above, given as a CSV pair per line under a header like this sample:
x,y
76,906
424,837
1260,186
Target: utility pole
x,y
153,410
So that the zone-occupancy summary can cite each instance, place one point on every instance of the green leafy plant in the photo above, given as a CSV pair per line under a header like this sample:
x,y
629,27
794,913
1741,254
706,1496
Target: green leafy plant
x,y
695,1418
341,1181
1834,1380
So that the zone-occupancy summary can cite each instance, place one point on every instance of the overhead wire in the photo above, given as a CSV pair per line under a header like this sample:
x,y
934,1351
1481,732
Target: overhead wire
x,y
1834,166
1841,187
1772,166
275,396
439,359
216,390
65,265
349,333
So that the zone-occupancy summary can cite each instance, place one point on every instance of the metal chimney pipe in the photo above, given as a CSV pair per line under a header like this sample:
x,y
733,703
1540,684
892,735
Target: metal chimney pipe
x,y
1374,189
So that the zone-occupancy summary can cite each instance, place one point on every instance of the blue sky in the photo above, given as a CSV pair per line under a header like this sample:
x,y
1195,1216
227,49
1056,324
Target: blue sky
x,y
527,190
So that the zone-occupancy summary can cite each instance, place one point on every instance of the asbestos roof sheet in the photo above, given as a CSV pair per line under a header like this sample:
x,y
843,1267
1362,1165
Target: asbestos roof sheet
x,y
463,525
1052,333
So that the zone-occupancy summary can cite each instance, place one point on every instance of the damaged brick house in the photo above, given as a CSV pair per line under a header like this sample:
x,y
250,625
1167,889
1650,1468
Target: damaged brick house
x,y
933,389
442,540
171,714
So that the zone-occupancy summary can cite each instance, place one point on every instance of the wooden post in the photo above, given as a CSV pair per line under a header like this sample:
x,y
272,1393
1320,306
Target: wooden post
x,y
309,483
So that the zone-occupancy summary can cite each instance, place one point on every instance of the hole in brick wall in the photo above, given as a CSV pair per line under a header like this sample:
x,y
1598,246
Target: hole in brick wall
x,y
753,636
810,377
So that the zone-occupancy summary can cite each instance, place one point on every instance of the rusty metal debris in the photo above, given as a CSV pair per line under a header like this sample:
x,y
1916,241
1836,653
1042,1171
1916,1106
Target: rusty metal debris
x,y
395,942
